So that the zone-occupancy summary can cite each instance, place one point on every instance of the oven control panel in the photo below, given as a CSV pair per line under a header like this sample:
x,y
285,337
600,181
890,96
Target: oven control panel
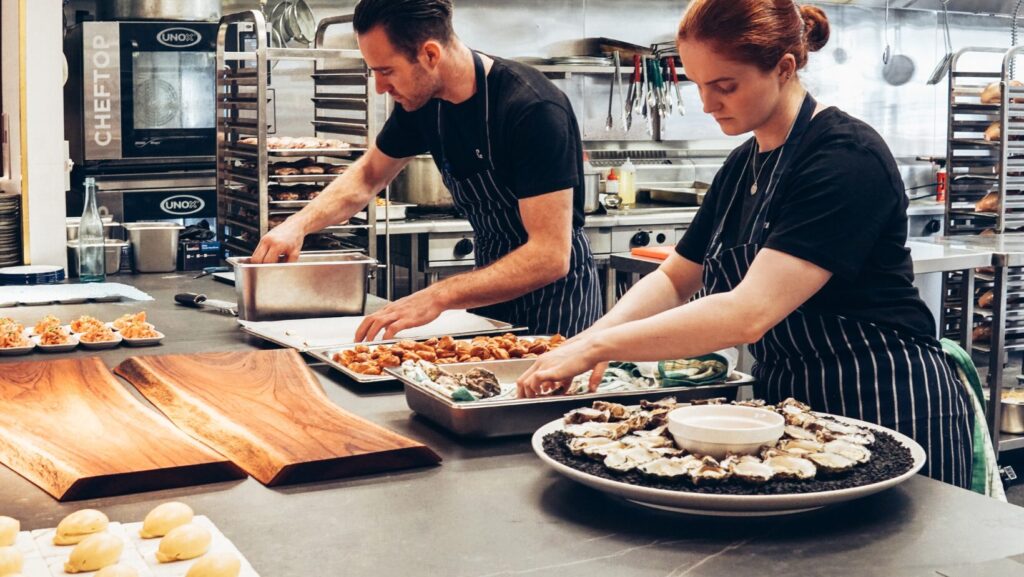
x,y
626,238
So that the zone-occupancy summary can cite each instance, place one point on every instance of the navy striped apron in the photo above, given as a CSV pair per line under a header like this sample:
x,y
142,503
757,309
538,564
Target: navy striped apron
x,y
848,367
567,306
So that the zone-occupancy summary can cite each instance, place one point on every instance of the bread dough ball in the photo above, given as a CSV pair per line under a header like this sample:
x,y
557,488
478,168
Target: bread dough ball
x,y
117,571
9,528
216,565
165,517
10,560
79,525
94,552
186,542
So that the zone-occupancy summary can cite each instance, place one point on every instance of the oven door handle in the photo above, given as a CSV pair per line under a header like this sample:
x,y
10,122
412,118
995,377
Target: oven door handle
x,y
165,189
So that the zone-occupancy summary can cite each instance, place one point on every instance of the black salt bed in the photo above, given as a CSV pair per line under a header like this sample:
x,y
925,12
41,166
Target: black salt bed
x,y
889,459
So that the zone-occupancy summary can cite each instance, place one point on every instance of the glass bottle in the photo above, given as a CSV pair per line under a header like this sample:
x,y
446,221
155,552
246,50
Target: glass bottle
x,y
91,261
627,184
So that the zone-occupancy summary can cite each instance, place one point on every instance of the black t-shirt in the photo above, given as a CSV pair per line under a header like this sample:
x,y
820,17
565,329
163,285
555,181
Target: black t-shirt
x,y
535,139
842,207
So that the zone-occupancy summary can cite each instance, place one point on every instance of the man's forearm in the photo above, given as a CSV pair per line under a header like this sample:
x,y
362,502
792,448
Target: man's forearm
x,y
513,275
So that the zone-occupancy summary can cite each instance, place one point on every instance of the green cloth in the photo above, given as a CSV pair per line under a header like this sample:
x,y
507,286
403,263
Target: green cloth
x,y
985,478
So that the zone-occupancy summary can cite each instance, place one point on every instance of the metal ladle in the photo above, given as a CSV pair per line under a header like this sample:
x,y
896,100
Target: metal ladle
x,y
897,69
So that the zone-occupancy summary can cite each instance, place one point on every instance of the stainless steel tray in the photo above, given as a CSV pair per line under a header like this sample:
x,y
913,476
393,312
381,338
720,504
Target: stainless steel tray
x,y
288,203
502,418
326,355
304,335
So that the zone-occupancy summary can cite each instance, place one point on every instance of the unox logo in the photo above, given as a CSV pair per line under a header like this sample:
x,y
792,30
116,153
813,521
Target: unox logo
x,y
182,204
178,37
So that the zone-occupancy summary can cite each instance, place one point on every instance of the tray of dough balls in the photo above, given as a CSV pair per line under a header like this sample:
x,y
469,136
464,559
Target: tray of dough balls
x,y
170,542
51,335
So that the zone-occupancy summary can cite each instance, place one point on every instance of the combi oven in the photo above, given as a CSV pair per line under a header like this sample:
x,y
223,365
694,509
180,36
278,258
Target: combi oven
x,y
141,91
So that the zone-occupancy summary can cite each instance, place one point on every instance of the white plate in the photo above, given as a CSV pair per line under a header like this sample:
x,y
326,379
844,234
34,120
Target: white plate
x,y
69,346
30,331
13,351
730,505
31,269
145,342
103,344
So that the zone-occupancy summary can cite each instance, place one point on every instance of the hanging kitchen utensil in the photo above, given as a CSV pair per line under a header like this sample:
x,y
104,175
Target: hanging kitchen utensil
x,y
897,69
302,22
675,83
618,82
609,122
634,80
943,66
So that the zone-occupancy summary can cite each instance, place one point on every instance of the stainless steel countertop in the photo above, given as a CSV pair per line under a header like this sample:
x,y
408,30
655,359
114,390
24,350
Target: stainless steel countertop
x,y
928,256
682,215
1006,249
491,508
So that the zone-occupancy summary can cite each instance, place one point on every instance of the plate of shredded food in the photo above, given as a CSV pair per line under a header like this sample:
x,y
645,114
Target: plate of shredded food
x,y
13,340
56,340
124,321
85,324
101,337
45,324
819,460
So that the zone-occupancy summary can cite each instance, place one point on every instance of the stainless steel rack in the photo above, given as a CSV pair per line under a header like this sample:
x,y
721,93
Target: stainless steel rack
x,y
977,167
346,107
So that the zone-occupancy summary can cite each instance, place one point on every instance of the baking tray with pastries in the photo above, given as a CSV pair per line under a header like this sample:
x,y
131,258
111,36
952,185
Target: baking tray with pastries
x,y
305,167
366,362
993,94
284,144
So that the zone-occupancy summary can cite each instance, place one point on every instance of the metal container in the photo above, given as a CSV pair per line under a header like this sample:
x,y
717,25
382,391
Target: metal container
x,y
108,229
591,192
317,285
1012,418
154,245
483,419
111,253
191,10
421,184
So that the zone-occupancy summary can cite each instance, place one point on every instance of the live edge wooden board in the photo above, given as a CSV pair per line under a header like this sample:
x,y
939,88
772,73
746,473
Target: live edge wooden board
x,y
72,429
268,413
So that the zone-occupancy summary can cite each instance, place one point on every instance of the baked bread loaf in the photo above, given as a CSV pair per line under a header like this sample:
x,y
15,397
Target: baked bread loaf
x,y
993,132
990,203
993,95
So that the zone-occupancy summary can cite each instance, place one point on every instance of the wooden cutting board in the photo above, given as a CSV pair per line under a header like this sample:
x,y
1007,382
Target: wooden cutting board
x,y
269,414
72,429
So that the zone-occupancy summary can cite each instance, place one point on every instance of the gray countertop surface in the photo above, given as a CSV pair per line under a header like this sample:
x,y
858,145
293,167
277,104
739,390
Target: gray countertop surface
x,y
681,215
492,508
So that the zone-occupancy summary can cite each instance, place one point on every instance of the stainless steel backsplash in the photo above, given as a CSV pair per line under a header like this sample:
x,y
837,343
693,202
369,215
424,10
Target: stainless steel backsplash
x,y
847,73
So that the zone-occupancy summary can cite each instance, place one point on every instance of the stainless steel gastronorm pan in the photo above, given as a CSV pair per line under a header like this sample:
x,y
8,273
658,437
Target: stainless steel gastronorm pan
x,y
317,285
500,418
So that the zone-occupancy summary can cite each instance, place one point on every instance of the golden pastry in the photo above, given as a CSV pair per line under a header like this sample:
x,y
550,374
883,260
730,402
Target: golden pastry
x,y
186,542
117,571
216,565
10,560
9,528
94,552
79,525
165,517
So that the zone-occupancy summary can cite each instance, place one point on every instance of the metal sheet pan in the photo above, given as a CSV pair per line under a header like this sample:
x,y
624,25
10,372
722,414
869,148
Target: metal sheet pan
x,y
502,418
304,335
326,355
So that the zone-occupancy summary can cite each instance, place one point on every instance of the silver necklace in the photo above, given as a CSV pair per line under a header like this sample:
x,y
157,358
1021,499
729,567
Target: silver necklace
x,y
757,172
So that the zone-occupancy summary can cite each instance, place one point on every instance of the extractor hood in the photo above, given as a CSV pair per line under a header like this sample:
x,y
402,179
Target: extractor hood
x,y
1001,7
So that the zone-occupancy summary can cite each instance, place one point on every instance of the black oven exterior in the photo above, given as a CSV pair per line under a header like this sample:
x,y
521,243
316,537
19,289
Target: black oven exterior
x,y
141,92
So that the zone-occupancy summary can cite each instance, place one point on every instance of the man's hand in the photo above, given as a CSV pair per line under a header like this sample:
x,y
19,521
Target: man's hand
x,y
282,244
414,310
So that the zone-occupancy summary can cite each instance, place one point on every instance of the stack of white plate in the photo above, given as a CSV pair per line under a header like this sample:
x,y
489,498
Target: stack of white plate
x,y
31,274
10,229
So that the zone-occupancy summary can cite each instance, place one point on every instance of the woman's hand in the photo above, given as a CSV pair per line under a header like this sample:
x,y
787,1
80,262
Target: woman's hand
x,y
554,370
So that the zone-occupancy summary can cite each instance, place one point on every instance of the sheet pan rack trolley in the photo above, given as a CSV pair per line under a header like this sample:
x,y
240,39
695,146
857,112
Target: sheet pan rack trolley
x,y
346,108
982,165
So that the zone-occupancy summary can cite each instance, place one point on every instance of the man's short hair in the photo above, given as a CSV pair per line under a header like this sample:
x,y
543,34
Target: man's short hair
x,y
407,23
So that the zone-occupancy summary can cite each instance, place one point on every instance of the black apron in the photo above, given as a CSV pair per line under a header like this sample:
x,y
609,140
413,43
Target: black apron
x,y
567,306
843,366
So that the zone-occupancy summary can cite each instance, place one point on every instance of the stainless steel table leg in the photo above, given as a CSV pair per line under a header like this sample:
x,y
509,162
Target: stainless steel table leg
x,y
609,288
414,263
995,356
967,311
